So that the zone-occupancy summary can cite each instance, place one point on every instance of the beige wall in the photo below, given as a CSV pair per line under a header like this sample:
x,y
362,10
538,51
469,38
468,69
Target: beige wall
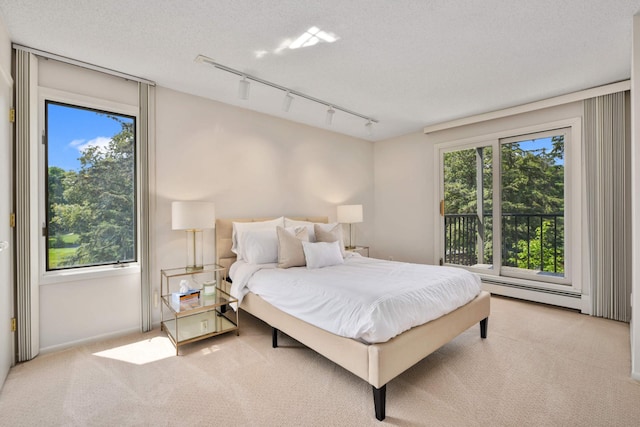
x,y
250,164
404,199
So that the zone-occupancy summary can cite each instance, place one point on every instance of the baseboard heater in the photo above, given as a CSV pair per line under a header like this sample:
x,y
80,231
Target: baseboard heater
x,y
568,294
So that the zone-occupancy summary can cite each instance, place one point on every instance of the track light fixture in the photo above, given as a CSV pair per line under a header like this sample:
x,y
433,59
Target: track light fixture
x,y
243,88
243,92
329,117
286,102
369,128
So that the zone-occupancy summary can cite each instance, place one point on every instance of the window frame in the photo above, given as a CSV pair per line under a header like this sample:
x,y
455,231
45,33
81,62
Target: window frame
x,y
573,204
90,103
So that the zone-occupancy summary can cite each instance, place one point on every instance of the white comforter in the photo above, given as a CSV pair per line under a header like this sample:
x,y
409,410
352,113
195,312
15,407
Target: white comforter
x,y
365,298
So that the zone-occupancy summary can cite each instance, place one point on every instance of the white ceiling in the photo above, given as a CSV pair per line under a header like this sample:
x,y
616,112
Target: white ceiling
x,y
406,63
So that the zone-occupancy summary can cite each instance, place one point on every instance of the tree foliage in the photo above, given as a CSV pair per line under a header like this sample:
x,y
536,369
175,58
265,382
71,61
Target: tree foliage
x,y
532,184
98,202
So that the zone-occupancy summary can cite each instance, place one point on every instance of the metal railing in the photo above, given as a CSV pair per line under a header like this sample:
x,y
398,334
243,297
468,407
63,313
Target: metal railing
x,y
530,241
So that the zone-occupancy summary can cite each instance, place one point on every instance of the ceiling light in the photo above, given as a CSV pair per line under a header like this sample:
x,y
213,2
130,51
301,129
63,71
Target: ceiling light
x,y
286,102
369,127
329,118
243,88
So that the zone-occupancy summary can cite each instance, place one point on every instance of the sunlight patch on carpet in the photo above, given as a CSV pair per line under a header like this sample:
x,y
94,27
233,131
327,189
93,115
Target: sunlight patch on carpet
x,y
141,352
209,350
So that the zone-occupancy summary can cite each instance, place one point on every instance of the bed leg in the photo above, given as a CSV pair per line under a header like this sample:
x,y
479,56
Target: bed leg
x,y
274,337
484,323
379,401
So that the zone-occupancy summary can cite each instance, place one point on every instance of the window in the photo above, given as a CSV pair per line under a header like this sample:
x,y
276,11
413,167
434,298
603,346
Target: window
x,y
506,205
90,176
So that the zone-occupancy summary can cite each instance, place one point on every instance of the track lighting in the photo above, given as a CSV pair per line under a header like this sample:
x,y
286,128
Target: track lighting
x,y
243,88
243,92
329,118
286,102
369,127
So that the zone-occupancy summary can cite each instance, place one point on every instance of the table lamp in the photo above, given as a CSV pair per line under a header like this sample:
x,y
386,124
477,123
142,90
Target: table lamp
x,y
350,214
193,217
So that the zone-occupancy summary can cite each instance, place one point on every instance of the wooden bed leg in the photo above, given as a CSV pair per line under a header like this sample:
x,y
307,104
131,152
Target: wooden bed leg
x,y
484,323
379,401
274,337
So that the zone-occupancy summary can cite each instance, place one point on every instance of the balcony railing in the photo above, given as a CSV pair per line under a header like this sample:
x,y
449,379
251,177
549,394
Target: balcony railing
x,y
529,241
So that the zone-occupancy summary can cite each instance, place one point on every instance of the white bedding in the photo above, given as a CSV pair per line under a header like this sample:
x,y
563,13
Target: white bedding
x,y
365,298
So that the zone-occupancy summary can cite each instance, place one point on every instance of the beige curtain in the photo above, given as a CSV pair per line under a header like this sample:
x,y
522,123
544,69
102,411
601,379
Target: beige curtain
x,y
147,126
27,315
607,172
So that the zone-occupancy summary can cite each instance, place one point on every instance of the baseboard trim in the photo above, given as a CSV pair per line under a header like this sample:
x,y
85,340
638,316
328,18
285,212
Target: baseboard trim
x,y
561,299
63,346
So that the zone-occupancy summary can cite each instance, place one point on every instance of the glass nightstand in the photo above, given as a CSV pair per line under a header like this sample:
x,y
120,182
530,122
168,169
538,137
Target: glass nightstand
x,y
362,250
196,318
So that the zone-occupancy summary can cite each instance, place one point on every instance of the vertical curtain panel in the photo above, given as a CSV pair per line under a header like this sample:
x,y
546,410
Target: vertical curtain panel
x,y
26,295
608,187
147,124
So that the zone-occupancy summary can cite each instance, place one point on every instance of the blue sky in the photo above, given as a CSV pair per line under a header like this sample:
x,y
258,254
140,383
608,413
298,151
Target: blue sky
x,y
70,130
537,144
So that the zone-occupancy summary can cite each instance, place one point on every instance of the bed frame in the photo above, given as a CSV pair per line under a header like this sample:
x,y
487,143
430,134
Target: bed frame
x,y
375,363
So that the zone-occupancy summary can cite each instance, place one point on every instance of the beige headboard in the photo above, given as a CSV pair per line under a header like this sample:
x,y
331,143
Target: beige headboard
x,y
224,229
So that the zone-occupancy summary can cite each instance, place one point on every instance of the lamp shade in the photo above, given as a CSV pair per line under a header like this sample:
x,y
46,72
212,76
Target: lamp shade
x,y
350,214
193,215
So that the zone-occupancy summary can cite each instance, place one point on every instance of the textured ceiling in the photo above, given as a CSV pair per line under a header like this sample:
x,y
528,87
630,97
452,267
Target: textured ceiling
x,y
407,63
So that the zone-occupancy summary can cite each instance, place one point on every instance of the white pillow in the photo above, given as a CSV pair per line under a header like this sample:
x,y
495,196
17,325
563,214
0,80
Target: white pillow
x,y
259,246
240,227
322,254
288,222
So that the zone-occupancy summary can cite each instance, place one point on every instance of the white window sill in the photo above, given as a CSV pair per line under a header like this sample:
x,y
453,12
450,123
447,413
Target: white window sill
x,y
88,273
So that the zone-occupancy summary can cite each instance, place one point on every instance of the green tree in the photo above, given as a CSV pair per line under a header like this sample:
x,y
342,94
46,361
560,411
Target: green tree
x,y
100,201
57,181
532,182
541,252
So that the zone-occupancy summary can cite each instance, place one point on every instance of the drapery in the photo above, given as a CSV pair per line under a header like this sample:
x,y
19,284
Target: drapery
x,y
607,173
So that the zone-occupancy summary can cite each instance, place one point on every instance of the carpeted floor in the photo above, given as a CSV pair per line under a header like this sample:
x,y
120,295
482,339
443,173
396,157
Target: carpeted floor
x,y
540,366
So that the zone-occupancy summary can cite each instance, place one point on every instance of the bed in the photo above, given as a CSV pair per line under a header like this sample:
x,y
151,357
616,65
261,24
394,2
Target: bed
x,y
376,363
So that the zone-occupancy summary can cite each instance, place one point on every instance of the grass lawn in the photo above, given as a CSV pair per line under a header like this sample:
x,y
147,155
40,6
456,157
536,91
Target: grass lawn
x,y
69,239
58,255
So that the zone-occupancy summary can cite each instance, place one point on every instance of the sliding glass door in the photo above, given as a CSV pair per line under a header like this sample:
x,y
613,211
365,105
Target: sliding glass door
x,y
467,207
503,206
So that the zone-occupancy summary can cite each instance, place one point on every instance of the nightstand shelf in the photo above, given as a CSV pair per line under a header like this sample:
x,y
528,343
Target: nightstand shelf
x,y
362,250
198,319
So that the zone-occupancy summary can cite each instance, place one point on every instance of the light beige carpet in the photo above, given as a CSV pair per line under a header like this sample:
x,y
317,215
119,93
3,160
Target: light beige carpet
x,y
540,366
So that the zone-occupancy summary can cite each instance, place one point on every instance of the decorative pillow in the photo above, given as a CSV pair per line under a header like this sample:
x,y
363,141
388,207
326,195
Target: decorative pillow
x,y
288,222
322,254
329,233
290,252
240,227
259,246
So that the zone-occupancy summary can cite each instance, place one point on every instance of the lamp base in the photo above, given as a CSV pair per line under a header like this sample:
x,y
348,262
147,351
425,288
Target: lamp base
x,y
194,250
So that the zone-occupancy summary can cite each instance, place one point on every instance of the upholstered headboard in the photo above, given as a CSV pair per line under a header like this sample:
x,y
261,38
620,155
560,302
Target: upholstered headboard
x,y
224,229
